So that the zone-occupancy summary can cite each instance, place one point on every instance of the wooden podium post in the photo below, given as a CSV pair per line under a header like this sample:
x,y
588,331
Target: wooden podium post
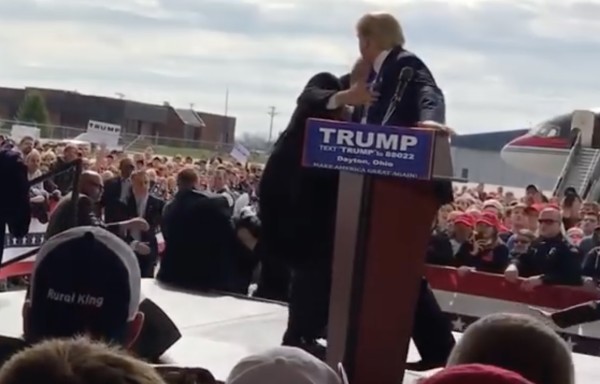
x,y
382,231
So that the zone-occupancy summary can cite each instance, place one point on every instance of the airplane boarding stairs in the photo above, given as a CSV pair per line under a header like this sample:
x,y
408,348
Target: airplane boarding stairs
x,y
581,172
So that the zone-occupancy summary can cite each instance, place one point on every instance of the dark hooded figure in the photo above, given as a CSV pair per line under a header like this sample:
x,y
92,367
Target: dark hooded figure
x,y
297,211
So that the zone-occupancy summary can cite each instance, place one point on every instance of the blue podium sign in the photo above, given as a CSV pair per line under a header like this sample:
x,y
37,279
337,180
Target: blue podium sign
x,y
369,149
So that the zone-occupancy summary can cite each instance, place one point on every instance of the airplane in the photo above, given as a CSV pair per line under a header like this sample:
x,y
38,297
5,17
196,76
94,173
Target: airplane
x,y
544,149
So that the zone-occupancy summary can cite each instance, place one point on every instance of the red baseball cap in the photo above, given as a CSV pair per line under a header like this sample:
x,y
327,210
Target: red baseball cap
x,y
475,374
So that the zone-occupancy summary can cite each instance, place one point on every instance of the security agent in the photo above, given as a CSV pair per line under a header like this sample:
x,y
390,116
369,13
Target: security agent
x,y
201,246
297,212
559,260
15,210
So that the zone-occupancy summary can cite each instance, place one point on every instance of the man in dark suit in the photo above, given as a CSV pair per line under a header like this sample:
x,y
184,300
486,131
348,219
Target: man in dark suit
x,y
297,205
90,191
419,102
201,245
142,204
15,210
297,210
117,192
63,182
381,43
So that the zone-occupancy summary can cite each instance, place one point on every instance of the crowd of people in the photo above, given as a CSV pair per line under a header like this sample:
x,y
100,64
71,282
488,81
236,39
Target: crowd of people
x,y
543,240
204,208
215,174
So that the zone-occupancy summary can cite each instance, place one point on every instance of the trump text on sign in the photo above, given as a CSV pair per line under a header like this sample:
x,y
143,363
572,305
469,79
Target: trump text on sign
x,y
377,150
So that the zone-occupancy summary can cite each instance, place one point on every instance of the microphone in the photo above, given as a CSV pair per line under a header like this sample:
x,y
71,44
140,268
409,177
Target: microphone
x,y
406,75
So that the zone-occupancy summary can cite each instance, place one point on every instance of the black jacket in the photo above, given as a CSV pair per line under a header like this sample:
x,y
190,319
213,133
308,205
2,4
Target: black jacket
x,y
297,204
15,210
201,247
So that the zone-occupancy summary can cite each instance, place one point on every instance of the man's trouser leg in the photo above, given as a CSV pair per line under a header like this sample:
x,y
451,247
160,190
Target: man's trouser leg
x,y
432,330
308,304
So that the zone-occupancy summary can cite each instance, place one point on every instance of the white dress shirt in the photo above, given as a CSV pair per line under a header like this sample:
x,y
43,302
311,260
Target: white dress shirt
x,y
140,203
125,190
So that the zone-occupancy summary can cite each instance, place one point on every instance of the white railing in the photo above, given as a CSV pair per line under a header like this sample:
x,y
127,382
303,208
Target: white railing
x,y
565,170
585,186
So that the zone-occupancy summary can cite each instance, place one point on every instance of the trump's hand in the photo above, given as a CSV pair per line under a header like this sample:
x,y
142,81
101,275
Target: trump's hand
x,y
437,126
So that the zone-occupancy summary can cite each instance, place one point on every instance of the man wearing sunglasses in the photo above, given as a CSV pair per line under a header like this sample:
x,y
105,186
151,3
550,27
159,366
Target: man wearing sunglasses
x,y
558,260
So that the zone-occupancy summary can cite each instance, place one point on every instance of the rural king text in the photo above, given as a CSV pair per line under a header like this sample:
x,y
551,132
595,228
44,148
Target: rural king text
x,y
368,143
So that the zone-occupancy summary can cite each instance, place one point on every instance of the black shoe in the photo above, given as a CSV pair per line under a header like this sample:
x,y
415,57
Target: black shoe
x,y
423,365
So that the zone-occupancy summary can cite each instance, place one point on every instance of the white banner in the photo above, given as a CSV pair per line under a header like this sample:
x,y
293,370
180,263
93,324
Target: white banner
x,y
240,153
18,132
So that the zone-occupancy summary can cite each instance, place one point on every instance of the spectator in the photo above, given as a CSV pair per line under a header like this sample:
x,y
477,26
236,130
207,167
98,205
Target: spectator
x,y
64,181
575,235
518,343
282,365
443,216
142,204
475,374
445,248
494,206
90,190
85,281
76,361
523,259
518,220
589,223
117,192
488,253
33,161
559,259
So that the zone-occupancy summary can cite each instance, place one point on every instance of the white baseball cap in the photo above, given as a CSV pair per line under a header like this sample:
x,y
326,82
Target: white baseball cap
x,y
283,365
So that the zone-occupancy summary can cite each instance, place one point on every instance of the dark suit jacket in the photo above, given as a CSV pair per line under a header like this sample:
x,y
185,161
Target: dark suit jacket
x,y
62,219
153,215
114,209
63,181
200,243
297,205
15,210
422,100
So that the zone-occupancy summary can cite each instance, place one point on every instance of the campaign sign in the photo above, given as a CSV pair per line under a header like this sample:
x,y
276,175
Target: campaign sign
x,y
369,149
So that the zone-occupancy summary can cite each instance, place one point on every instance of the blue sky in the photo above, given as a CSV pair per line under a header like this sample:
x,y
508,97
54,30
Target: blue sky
x,y
502,64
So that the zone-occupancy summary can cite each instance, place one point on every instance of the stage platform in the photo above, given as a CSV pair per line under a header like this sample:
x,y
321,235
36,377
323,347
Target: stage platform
x,y
220,330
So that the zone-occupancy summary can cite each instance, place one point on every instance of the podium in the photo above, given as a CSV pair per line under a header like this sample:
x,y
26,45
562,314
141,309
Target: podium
x,y
385,209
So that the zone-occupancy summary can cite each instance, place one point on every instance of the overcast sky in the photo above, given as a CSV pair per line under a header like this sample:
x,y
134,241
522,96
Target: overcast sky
x,y
502,64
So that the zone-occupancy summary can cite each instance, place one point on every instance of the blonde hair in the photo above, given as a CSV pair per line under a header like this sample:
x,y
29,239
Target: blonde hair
x,y
73,361
383,28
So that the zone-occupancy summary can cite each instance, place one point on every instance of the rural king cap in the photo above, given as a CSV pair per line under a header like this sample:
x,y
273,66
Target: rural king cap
x,y
283,365
85,280
475,374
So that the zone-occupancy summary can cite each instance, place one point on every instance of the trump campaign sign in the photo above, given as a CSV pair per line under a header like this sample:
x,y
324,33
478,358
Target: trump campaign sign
x,y
369,149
